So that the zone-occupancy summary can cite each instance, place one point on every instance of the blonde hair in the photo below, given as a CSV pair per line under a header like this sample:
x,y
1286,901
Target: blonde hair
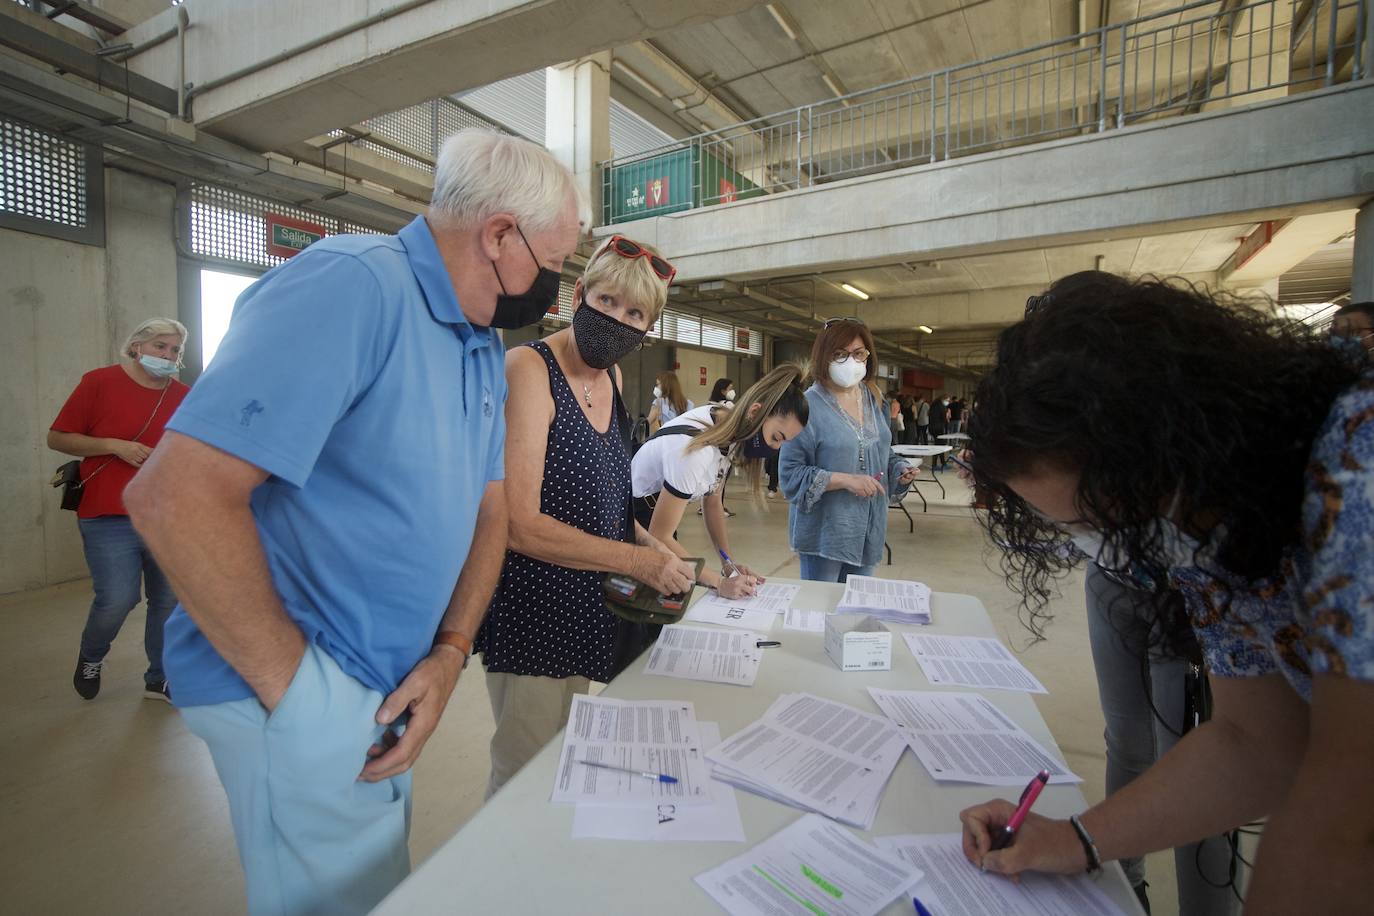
x,y
779,393
480,173
155,327
672,390
631,278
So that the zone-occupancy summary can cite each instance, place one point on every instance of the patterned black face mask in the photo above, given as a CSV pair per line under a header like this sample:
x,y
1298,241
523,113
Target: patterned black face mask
x,y
601,340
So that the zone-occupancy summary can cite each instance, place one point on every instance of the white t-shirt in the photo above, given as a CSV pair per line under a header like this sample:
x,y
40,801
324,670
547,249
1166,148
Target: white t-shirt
x,y
664,464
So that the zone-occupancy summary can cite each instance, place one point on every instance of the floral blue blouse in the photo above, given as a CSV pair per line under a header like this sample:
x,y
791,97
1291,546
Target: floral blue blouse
x,y
837,524
1318,616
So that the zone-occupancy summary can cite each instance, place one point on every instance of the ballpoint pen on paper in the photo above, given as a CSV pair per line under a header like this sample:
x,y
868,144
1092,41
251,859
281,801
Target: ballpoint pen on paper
x,y
766,644
920,907
729,570
656,777
1002,838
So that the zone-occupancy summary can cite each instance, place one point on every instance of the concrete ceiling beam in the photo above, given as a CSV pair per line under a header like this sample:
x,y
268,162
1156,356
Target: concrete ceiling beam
x,y
1291,244
429,50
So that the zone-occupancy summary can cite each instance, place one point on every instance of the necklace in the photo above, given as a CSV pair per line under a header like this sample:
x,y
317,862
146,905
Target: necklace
x,y
587,393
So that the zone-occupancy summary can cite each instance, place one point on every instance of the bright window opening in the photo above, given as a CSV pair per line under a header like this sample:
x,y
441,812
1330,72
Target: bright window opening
x,y
218,292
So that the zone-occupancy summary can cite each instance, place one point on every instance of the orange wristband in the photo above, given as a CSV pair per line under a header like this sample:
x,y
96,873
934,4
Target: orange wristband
x,y
456,640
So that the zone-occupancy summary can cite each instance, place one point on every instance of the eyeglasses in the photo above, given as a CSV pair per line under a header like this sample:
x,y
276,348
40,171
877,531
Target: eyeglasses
x,y
1036,302
859,355
631,250
834,321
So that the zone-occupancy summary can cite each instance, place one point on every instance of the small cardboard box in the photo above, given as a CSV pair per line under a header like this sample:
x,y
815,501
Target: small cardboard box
x,y
858,643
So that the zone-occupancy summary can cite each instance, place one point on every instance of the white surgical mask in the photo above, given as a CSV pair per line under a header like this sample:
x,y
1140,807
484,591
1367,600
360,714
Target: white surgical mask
x,y
729,394
848,373
658,392
1179,549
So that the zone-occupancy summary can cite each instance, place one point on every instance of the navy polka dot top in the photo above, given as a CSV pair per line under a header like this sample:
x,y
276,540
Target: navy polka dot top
x,y
548,620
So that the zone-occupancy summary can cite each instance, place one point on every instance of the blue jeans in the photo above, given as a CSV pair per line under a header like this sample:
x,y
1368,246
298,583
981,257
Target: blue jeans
x,y
311,836
817,568
122,568
1136,738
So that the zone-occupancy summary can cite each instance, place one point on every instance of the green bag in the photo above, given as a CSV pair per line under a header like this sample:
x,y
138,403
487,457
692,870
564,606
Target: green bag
x,y
632,600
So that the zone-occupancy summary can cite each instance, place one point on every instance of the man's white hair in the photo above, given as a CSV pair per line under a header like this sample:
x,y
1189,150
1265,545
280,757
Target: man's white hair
x,y
481,173
154,327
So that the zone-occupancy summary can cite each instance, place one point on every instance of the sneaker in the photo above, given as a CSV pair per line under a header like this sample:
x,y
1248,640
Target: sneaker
x,y
729,513
772,494
86,680
158,691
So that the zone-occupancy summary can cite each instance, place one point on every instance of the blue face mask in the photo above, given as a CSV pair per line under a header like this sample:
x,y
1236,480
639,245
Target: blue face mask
x,y
157,366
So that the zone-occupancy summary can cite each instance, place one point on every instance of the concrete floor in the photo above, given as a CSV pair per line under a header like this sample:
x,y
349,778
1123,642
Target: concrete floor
x,y
113,803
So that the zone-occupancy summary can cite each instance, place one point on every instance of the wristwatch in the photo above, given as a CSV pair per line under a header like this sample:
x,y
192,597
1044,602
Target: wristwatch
x,y
456,640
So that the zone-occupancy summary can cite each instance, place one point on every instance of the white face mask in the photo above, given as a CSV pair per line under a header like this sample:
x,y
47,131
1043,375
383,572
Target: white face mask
x,y
729,394
848,373
658,392
1179,548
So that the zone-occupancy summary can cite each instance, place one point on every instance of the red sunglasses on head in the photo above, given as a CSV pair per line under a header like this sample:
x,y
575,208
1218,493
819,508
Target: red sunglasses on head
x,y
631,250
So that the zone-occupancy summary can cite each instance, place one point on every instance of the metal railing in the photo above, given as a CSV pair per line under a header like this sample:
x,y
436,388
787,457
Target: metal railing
x,y
1193,58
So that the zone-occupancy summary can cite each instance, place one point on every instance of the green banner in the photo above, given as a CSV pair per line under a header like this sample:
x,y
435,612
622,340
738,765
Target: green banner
x,y
670,183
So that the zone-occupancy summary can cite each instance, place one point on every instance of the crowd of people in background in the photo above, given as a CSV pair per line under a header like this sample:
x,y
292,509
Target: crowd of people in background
x,y
315,664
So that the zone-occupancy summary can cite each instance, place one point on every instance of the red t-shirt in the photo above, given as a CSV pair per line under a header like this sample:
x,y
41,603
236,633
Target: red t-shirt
x,y
107,404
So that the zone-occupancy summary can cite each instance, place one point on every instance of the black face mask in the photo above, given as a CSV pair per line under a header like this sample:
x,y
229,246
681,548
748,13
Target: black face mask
x,y
601,340
528,307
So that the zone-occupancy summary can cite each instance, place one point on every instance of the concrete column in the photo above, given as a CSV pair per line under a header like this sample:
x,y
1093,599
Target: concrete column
x,y
577,120
1362,278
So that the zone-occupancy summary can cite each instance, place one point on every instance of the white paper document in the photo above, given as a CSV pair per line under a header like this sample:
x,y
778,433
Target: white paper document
x,y
717,610
970,661
963,737
797,619
653,736
898,600
953,886
813,754
666,821
706,654
810,867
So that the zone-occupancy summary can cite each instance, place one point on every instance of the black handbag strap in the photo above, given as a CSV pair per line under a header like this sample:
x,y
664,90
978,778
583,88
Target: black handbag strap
x,y
146,423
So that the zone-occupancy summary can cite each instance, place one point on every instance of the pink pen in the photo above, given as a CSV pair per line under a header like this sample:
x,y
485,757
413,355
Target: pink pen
x,y
1004,837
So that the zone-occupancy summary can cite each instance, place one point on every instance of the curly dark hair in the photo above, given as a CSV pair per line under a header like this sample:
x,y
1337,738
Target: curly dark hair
x,y
1157,394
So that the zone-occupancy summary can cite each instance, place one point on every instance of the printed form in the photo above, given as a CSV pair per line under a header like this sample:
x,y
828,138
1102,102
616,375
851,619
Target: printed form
x,y
706,654
962,737
666,821
797,619
809,867
759,612
652,736
970,661
953,886
898,600
814,754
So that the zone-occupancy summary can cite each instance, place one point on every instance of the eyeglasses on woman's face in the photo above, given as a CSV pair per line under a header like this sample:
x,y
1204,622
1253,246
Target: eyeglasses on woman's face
x,y
856,353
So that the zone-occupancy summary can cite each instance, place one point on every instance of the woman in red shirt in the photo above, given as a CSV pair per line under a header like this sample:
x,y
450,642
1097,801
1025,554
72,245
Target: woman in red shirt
x,y
113,420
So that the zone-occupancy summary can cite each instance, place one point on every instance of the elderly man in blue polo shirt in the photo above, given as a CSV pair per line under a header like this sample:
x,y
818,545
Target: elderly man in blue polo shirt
x,y
329,505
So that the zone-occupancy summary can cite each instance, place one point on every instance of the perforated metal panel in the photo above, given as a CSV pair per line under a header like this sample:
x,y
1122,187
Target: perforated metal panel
x,y
229,225
450,117
49,184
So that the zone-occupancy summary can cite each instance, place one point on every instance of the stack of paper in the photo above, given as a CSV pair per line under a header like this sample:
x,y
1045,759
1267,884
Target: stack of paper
x,y
952,886
962,737
807,868
706,654
970,661
813,754
666,822
898,600
642,736
758,612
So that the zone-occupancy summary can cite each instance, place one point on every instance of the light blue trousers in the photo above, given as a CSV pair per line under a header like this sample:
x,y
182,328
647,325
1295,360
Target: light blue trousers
x,y
312,837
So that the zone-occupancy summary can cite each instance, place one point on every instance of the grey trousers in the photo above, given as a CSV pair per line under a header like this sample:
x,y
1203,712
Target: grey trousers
x,y
1136,738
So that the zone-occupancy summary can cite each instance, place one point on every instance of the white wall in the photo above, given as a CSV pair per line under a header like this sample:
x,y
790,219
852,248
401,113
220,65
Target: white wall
x,y
690,363
68,308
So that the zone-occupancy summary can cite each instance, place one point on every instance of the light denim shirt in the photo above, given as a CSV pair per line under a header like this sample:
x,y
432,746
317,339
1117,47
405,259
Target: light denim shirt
x,y
837,524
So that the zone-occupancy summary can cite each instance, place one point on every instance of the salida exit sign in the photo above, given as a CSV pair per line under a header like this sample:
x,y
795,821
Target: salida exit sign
x,y
287,237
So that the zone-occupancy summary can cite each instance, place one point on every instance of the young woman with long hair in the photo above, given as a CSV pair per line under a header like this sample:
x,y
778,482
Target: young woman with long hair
x,y
669,401
1239,495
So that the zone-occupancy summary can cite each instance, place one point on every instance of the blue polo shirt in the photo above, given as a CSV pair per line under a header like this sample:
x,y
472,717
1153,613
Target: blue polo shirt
x,y
350,375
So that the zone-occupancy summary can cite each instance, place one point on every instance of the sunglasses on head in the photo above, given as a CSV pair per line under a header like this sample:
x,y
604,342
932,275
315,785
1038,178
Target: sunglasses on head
x,y
630,250
1036,302
834,321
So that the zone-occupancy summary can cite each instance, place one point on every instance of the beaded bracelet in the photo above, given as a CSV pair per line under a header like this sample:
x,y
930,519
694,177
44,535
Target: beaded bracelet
x,y
1089,847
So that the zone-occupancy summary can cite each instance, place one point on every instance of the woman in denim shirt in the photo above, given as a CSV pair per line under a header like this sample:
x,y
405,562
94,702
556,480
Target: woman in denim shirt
x,y
840,473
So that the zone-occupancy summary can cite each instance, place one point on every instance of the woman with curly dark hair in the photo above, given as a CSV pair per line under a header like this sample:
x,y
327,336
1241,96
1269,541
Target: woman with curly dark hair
x,y
1246,508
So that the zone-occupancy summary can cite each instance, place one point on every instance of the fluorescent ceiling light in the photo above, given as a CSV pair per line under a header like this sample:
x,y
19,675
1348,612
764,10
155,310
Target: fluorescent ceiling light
x,y
781,19
854,291
925,329
634,75
678,103
831,84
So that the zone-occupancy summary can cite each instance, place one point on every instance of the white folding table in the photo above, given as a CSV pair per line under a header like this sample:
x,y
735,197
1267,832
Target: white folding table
x,y
517,855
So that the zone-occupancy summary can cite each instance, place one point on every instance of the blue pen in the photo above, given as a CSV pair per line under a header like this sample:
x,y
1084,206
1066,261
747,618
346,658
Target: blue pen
x,y
729,570
656,777
920,907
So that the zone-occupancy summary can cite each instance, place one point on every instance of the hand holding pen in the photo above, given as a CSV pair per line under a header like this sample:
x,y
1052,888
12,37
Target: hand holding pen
x,y
1004,837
